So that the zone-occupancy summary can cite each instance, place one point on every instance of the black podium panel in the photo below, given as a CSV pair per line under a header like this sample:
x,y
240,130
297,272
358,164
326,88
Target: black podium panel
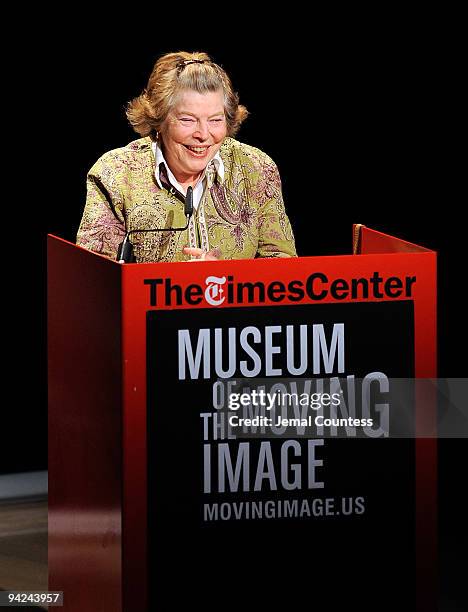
x,y
347,534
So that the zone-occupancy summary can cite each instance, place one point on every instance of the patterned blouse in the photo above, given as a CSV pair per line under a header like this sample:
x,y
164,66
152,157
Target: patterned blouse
x,y
241,217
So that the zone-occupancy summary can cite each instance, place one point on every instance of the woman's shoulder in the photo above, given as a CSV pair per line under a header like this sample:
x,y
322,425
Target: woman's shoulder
x,y
239,152
132,153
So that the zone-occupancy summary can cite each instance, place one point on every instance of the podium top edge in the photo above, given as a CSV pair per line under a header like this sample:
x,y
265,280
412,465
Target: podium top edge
x,y
417,247
418,251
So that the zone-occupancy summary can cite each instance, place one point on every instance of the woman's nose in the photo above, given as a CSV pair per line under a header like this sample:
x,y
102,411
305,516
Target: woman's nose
x,y
201,131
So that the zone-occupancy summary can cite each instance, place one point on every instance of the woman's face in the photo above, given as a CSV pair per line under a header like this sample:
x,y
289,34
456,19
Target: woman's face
x,y
193,132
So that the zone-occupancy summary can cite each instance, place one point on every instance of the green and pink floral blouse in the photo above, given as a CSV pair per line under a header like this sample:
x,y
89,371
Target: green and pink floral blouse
x,y
239,217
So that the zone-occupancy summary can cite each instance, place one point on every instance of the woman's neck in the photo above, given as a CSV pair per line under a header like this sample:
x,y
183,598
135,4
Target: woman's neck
x,y
187,182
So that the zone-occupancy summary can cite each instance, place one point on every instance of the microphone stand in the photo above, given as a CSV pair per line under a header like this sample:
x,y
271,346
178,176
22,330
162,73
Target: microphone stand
x,y
125,251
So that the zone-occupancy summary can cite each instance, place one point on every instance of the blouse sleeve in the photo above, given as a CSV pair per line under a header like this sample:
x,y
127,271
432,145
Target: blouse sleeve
x,y
102,226
276,238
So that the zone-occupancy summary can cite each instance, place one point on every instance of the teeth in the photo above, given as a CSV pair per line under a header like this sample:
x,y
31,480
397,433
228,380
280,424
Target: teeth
x,y
197,149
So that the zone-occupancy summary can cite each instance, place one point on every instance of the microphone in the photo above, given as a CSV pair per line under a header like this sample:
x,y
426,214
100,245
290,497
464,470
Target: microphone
x,y
188,206
125,251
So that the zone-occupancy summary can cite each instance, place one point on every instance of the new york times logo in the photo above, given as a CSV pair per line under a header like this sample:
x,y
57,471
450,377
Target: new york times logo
x,y
214,292
222,290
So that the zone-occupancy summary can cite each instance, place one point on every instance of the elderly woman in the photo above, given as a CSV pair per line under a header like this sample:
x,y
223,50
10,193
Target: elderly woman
x,y
187,117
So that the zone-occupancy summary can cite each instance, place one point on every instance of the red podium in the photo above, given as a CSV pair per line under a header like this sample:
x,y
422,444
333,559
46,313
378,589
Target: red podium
x,y
145,486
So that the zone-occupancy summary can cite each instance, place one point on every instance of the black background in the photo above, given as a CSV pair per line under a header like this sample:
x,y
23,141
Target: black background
x,y
362,116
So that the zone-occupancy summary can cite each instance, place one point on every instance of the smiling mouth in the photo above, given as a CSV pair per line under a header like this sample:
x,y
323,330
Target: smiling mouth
x,y
200,151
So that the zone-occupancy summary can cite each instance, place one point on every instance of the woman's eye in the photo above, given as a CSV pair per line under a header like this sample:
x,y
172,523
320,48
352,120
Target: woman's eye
x,y
186,119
